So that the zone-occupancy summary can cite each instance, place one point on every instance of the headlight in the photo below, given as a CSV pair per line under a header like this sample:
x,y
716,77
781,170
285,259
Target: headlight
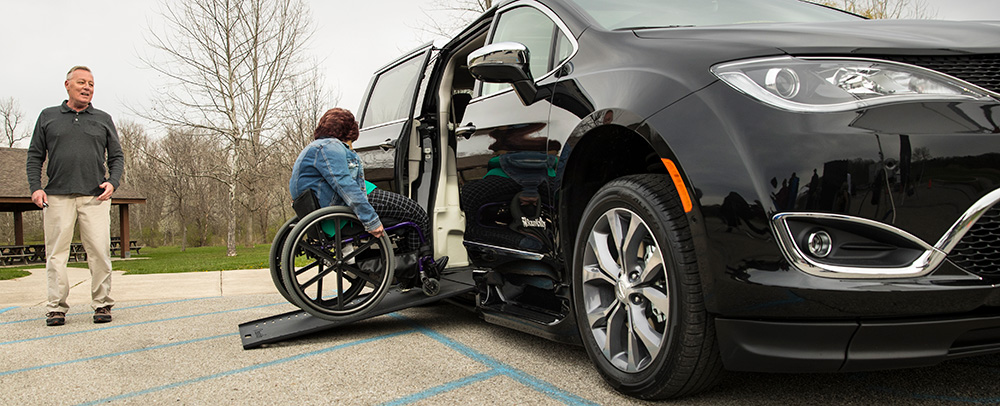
x,y
817,85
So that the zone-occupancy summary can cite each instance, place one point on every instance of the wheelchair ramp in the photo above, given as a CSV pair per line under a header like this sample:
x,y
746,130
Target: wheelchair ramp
x,y
298,323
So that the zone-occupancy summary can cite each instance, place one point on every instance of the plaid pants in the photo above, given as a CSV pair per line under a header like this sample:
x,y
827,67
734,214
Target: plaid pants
x,y
393,208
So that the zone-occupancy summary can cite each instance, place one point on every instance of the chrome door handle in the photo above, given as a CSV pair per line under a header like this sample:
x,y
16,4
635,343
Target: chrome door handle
x,y
466,130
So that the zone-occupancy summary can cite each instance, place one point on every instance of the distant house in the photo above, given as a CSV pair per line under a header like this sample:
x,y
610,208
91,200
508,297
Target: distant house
x,y
15,196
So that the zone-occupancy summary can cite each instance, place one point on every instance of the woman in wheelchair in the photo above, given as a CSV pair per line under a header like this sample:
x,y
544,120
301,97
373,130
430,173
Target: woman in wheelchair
x,y
326,243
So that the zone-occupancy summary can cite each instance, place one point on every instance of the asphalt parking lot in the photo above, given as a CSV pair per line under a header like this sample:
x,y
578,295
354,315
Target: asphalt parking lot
x,y
187,350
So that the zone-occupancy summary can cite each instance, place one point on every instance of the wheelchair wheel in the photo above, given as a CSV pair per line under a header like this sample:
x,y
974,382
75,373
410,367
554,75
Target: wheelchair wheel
x,y
274,260
332,268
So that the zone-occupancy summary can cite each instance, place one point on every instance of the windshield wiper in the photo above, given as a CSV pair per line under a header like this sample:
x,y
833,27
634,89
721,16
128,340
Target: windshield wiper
x,y
652,27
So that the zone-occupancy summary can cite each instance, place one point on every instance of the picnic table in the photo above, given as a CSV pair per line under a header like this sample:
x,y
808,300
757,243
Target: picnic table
x,y
35,253
116,246
77,253
11,254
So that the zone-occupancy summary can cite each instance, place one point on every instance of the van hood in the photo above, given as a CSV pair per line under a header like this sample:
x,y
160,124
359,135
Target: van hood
x,y
866,37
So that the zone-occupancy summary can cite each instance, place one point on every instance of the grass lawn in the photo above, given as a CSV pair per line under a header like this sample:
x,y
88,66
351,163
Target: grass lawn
x,y
172,259
8,273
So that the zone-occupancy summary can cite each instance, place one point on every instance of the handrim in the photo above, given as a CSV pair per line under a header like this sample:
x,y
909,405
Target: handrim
x,y
348,291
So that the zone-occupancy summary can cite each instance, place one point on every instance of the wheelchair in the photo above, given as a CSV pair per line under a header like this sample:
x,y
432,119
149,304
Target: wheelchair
x,y
323,261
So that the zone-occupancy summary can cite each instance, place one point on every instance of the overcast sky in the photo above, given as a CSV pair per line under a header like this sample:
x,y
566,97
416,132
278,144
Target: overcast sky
x,y
43,39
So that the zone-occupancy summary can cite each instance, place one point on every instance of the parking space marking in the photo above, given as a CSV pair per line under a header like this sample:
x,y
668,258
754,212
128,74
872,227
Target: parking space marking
x,y
247,369
7,309
501,368
137,324
496,367
115,354
120,308
448,387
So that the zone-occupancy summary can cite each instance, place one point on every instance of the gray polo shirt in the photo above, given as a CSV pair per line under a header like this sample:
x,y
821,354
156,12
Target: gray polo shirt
x,y
77,145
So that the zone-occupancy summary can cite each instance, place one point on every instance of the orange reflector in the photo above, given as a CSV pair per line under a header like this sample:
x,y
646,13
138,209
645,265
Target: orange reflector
x,y
679,184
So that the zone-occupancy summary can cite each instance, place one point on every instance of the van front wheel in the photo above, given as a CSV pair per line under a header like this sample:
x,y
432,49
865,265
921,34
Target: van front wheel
x,y
637,293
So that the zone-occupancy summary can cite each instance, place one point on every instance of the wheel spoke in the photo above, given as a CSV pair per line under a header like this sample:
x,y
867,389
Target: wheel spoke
x,y
599,316
605,258
302,270
615,227
319,276
646,333
595,273
361,249
321,255
632,344
340,286
653,268
657,299
370,277
633,239
319,289
617,321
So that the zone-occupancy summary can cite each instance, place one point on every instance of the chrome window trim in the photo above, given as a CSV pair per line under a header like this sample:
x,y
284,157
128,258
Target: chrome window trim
x,y
928,261
559,24
385,124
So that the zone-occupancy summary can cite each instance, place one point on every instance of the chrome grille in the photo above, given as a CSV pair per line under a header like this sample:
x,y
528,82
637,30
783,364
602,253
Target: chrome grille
x,y
979,250
980,70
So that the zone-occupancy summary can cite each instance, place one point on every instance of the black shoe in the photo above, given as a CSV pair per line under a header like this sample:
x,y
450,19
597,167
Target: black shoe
x,y
102,314
440,263
55,318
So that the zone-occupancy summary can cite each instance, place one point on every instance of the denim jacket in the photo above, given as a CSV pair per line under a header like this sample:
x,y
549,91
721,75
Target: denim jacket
x,y
335,173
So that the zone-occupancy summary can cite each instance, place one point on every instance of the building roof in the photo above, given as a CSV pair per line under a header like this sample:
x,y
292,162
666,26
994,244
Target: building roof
x,y
14,190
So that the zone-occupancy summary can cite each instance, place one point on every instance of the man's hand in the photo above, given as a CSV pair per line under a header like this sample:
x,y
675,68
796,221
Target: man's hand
x,y
378,232
108,190
39,198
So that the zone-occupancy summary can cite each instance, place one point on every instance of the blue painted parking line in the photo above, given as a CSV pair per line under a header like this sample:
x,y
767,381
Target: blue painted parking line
x,y
117,309
138,324
7,309
448,387
116,354
247,369
523,377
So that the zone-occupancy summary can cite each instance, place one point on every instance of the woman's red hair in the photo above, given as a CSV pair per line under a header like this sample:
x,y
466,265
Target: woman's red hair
x,y
337,123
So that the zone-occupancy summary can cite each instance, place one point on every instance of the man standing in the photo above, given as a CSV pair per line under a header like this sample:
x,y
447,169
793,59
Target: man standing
x,y
78,140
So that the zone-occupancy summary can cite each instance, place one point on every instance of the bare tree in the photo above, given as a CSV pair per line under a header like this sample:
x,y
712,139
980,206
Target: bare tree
x,y
448,16
883,9
297,130
232,65
137,172
12,118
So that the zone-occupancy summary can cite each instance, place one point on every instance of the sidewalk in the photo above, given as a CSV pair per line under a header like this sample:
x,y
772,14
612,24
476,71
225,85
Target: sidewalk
x,y
30,290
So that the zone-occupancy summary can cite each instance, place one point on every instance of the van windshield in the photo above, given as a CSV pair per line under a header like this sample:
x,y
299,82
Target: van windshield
x,y
638,14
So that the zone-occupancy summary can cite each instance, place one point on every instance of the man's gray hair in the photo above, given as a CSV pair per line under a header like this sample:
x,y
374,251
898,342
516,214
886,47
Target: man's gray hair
x,y
76,68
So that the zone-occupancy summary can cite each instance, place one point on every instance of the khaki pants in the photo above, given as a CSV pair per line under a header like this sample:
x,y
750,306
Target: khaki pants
x,y
59,218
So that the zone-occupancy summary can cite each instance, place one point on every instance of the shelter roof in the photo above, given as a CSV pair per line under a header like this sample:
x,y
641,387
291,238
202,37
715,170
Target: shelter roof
x,y
14,190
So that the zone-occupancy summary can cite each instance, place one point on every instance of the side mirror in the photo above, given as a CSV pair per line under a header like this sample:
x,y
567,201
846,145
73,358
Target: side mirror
x,y
505,62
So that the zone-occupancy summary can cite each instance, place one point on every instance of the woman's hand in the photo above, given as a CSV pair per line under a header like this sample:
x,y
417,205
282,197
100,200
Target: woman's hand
x,y
378,232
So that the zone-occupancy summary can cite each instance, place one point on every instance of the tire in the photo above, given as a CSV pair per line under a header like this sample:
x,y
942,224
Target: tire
x,y
646,330
274,259
334,284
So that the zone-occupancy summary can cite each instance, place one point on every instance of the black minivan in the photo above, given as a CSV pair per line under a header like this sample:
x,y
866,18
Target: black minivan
x,y
683,187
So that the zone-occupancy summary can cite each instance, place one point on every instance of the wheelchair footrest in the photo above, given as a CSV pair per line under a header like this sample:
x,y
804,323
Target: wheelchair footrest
x,y
298,323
